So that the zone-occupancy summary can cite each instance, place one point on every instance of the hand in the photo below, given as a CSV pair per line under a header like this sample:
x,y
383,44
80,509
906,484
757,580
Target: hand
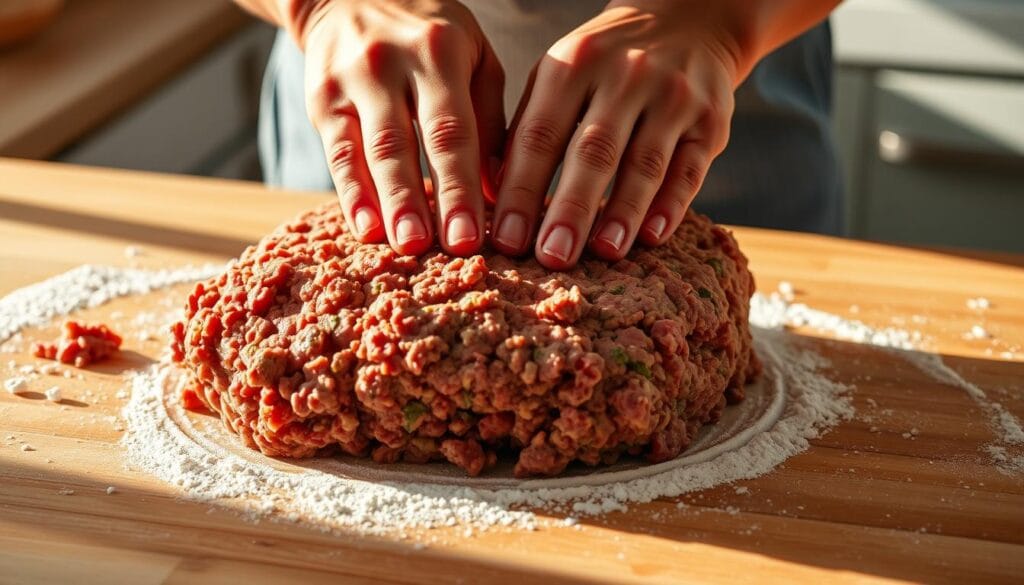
x,y
642,92
373,68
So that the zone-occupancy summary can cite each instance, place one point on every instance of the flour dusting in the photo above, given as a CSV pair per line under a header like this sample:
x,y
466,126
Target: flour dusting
x,y
775,311
83,287
156,444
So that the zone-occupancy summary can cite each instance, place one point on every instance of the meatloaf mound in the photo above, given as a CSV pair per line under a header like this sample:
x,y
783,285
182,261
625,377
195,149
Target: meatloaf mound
x,y
311,342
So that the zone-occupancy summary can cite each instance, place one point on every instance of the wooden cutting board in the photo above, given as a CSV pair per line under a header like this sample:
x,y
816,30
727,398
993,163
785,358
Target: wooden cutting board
x,y
860,505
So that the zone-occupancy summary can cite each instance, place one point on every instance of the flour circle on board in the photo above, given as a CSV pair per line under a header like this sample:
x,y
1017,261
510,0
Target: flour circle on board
x,y
764,403
259,487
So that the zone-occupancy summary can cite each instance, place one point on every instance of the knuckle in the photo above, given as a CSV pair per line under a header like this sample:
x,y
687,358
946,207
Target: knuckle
x,y
648,162
438,32
453,194
350,193
321,98
597,149
575,208
515,194
388,142
441,39
579,48
447,133
342,156
539,136
396,196
688,177
637,63
633,207
716,127
679,88
375,61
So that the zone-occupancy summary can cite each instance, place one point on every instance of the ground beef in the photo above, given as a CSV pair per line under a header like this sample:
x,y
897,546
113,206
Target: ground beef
x,y
80,345
311,342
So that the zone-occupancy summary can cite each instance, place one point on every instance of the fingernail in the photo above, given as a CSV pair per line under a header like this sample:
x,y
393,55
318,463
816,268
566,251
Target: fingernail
x,y
613,233
656,225
559,243
461,228
366,220
512,230
409,228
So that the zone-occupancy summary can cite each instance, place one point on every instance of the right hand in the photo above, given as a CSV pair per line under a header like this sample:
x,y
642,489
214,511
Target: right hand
x,y
372,68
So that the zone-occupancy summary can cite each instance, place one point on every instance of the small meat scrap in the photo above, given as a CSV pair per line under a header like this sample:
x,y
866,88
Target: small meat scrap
x,y
80,345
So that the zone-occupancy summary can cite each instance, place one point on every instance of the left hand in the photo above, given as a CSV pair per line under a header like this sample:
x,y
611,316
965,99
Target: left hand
x,y
642,92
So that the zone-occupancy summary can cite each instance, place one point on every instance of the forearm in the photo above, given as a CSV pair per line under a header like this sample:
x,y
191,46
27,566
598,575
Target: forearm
x,y
745,30
291,15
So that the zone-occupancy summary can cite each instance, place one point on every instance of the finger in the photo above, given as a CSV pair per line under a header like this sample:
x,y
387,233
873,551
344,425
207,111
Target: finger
x,y
643,168
448,127
590,162
343,146
536,147
685,175
487,90
392,155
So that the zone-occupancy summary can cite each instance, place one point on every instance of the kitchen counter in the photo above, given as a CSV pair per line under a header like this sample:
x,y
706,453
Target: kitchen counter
x,y
862,504
97,58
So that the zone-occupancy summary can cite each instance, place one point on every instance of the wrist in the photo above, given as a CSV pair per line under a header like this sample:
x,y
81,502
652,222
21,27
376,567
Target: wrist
x,y
729,27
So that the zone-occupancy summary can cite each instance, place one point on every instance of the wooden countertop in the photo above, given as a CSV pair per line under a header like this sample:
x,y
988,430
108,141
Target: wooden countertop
x,y
99,57
858,506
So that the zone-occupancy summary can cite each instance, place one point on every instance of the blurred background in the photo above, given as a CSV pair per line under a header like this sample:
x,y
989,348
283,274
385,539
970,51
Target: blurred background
x,y
929,102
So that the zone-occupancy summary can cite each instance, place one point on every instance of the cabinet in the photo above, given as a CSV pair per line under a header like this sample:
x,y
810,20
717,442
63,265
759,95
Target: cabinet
x,y
930,121
202,122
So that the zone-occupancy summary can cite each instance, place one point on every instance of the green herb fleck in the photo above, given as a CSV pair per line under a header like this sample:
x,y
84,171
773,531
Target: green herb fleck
x,y
618,290
467,399
641,369
619,356
704,293
538,353
377,287
331,322
413,412
717,265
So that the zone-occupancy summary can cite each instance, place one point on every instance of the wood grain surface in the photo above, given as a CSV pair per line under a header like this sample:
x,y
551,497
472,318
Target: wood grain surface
x,y
861,505
98,57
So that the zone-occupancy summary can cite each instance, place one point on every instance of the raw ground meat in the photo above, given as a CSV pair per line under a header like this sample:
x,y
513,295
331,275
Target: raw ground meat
x,y
80,345
312,342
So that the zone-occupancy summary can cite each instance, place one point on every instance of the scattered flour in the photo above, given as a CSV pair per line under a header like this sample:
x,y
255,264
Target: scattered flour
x,y
86,286
15,385
775,312
53,394
977,332
154,443
978,304
786,290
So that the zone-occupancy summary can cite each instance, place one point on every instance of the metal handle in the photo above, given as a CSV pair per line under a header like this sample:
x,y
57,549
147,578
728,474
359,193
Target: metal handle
x,y
899,149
